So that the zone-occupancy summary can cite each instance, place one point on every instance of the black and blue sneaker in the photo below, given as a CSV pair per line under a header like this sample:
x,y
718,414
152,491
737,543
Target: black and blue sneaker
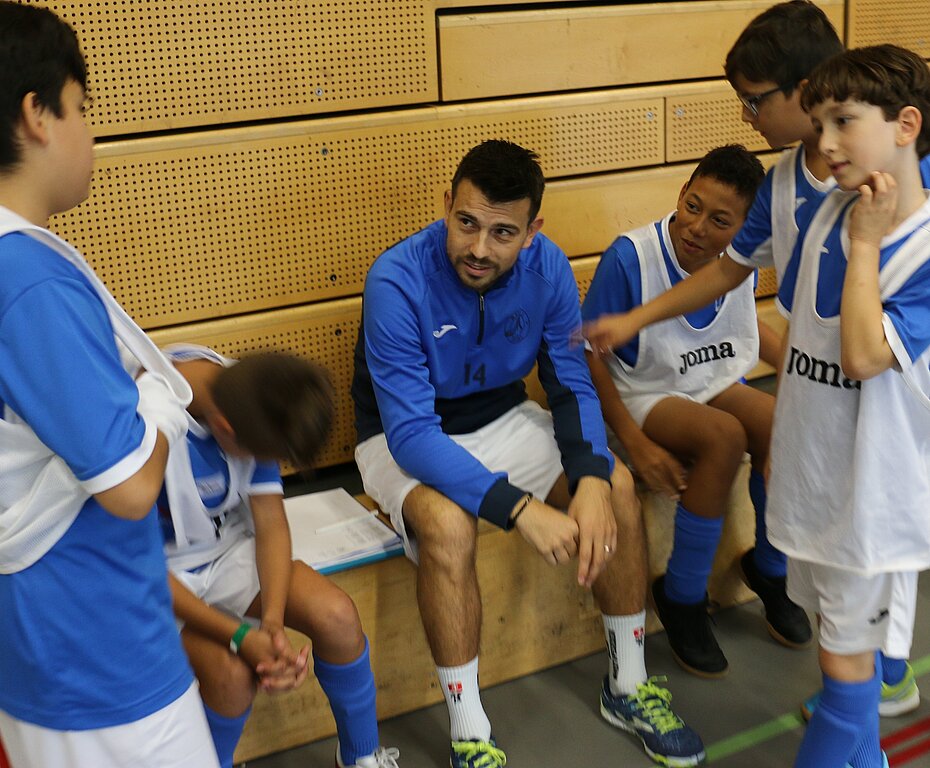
x,y
648,714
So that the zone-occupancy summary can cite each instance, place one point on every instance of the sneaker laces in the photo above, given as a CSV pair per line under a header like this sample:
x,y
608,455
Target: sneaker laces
x,y
482,752
382,757
652,701
386,757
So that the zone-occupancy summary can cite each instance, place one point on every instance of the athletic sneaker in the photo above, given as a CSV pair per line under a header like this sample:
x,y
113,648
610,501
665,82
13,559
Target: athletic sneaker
x,y
477,754
383,757
647,714
689,634
786,621
896,700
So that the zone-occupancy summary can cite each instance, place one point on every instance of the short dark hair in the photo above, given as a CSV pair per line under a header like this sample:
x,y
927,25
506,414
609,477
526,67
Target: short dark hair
x,y
280,406
735,166
504,172
782,45
39,53
885,76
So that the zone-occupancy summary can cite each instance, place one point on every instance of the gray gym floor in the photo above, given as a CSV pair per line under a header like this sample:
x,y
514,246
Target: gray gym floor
x,y
749,719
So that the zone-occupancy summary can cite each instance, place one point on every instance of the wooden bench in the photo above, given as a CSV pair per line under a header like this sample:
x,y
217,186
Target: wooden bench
x,y
522,597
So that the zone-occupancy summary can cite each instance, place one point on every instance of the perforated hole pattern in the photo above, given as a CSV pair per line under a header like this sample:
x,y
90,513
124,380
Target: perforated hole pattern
x,y
325,337
157,64
903,22
698,124
189,234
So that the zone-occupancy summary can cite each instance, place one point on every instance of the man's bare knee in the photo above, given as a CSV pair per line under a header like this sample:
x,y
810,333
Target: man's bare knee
x,y
444,531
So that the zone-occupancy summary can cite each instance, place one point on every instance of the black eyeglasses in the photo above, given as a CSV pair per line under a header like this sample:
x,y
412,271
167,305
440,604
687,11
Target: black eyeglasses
x,y
752,102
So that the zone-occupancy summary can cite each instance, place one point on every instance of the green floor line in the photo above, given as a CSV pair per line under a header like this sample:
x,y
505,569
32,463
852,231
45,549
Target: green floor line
x,y
753,736
779,725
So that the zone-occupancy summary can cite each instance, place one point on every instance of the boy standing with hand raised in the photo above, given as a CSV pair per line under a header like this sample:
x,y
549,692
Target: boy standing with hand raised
x,y
849,491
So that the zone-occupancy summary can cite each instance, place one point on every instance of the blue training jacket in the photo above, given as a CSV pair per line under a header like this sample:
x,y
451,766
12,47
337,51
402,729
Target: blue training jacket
x,y
436,358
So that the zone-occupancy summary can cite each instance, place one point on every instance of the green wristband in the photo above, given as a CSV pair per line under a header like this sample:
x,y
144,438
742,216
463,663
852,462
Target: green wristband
x,y
235,643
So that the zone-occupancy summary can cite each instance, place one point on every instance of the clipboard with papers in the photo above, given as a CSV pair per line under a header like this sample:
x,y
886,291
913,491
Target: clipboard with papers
x,y
331,531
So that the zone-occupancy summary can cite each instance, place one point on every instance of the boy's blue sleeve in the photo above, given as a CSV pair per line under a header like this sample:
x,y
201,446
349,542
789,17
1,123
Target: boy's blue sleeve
x,y
266,479
60,371
752,246
617,287
909,312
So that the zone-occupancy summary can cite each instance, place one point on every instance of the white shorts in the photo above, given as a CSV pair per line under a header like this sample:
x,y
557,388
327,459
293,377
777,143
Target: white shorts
x,y
857,613
520,443
176,736
640,406
230,582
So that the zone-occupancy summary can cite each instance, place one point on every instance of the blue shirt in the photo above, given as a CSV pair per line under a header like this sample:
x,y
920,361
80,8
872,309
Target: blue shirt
x,y
435,358
89,638
210,469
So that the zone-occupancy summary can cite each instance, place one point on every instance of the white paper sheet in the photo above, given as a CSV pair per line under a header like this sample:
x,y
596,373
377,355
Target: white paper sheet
x,y
331,531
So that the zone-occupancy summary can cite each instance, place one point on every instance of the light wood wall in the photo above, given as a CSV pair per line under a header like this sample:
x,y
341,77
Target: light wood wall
x,y
254,158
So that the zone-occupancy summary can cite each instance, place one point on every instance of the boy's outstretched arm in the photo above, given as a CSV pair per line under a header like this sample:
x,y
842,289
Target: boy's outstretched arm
x,y
865,351
660,470
709,283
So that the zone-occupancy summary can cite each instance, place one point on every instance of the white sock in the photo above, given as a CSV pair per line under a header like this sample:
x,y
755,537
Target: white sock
x,y
467,719
626,660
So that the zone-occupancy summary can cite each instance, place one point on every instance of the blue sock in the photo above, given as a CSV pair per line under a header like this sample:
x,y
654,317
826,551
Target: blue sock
x,y
225,732
693,551
868,752
769,560
893,670
350,689
846,719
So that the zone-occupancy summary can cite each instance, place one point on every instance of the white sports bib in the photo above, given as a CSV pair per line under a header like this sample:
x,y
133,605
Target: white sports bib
x,y
675,357
850,482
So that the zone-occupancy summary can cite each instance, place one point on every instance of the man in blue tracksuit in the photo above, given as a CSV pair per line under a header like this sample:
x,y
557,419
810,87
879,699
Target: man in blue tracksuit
x,y
455,317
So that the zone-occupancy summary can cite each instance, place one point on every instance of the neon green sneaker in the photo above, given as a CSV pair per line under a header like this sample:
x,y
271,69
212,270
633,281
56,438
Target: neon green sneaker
x,y
900,698
896,700
477,754
648,715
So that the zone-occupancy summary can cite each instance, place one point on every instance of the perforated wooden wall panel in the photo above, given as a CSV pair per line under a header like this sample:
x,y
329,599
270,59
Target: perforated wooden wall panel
x,y
584,273
903,22
768,283
584,216
324,333
502,51
166,65
702,117
211,224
